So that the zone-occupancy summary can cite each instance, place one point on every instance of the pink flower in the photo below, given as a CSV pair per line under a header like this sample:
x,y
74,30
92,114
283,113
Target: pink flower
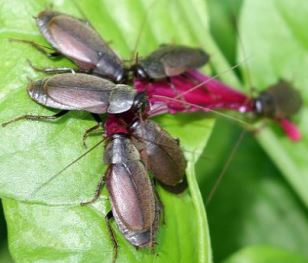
x,y
194,91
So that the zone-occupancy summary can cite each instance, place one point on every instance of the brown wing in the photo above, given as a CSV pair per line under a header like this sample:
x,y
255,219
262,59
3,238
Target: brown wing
x,y
129,186
164,156
73,92
172,60
287,100
178,59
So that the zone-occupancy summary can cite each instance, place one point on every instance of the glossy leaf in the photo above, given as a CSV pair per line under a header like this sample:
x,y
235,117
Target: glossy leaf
x,y
253,204
274,41
264,254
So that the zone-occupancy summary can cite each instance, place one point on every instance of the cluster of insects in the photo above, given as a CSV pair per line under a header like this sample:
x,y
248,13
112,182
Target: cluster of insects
x,y
129,96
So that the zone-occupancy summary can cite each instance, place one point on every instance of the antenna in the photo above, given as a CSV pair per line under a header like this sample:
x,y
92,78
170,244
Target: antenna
x,y
144,21
64,169
243,132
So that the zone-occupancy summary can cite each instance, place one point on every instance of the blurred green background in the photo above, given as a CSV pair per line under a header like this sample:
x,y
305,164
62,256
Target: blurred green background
x,y
255,215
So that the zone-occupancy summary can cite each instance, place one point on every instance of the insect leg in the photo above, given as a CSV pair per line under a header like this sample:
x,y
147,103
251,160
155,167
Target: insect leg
x,y
53,70
97,191
36,117
87,132
112,236
159,203
39,47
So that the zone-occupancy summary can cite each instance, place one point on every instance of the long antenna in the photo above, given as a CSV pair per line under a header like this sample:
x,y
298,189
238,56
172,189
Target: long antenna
x,y
210,79
203,108
141,29
241,136
83,14
225,167
64,169
242,48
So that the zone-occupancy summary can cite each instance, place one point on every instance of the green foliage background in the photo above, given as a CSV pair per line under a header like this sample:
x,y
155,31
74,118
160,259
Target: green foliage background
x,y
259,212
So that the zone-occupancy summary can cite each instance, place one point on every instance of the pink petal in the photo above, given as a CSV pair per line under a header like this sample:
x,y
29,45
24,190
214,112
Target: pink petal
x,y
290,129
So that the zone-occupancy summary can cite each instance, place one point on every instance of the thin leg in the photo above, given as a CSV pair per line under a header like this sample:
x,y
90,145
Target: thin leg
x,y
40,48
88,132
112,236
159,204
97,191
53,70
36,117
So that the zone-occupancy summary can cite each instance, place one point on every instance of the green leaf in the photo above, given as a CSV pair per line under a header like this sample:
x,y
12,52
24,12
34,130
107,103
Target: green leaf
x,y
265,254
253,204
274,37
222,27
50,224
79,234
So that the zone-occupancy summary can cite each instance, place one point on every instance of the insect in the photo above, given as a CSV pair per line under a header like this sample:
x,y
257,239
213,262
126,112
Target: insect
x,y
81,92
278,101
134,145
78,41
135,206
168,61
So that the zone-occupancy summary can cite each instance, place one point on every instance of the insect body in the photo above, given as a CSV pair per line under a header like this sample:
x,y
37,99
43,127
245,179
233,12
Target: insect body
x,y
78,41
134,205
279,101
133,146
170,60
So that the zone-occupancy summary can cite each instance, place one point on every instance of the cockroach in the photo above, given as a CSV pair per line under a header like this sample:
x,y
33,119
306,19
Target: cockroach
x,y
278,101
168,61
81,92
134,205
78,41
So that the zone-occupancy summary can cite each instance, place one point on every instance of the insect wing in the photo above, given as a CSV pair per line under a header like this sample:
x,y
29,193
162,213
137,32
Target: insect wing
x,y
287,101
37,92
73,91
172,60
178,59
131,192
164,156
